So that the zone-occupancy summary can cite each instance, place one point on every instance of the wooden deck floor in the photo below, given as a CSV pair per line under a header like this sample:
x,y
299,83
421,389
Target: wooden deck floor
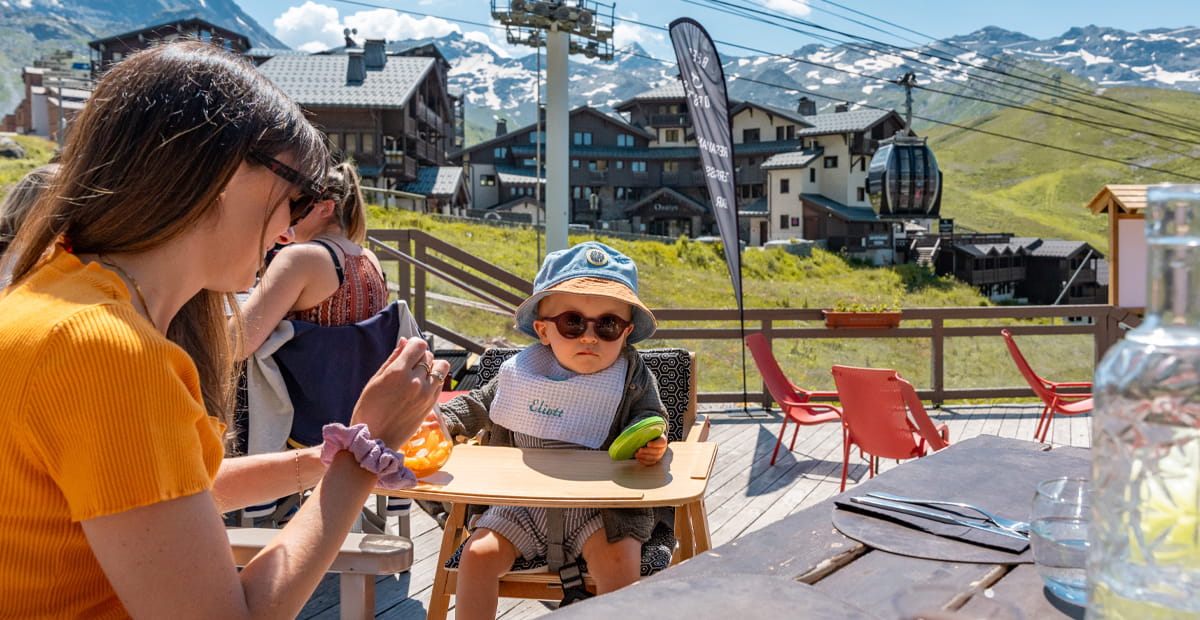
x,y
744,494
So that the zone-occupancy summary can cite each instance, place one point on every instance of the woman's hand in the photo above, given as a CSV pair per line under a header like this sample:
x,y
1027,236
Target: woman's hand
x,y
652,452
402,392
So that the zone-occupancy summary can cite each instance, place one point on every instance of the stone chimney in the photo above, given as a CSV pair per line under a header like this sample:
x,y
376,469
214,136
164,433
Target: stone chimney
x,y
373,52
356,68
501,127
806,107
841,107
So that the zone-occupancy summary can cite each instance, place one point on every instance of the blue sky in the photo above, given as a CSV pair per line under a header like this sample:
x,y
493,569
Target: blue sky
x,y
316,24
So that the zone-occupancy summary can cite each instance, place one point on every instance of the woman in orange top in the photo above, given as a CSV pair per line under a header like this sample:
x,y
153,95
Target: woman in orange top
x,y
183,167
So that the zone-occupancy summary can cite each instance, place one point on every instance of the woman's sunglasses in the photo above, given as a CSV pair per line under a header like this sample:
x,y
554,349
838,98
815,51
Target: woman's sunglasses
x,y
571,325
311,192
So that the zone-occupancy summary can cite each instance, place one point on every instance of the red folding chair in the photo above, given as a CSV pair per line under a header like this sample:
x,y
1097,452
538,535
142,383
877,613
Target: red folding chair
x,y
1065,403
791,399
882,415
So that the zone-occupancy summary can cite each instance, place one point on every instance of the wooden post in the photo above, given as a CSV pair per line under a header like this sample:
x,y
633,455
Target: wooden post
x,y
937,344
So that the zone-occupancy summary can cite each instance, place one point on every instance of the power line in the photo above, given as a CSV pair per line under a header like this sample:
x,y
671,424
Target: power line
x,y
958,126
760,16
1060,88
790,88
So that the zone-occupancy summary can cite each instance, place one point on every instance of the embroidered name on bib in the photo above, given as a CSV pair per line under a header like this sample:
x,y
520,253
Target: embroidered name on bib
x,y
536,396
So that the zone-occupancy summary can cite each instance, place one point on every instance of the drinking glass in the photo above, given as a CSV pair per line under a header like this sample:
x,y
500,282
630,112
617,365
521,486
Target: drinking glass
x,y
1059,522
944,602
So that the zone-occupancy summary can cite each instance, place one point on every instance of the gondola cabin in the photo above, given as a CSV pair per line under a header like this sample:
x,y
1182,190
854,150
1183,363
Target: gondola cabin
x,y
903,180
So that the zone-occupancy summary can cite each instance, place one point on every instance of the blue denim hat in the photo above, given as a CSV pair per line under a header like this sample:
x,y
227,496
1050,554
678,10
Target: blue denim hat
x,y
590,268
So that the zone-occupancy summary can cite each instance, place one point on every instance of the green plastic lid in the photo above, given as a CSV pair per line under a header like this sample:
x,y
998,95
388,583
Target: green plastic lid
x,y
637,435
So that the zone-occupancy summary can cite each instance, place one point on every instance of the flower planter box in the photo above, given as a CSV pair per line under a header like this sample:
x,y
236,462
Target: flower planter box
x,y
861,319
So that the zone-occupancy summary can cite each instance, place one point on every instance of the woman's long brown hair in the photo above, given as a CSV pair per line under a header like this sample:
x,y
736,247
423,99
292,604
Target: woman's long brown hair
x,y
351,210
148,157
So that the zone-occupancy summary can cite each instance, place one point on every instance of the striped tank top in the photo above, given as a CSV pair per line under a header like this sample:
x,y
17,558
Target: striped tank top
x,y
361,294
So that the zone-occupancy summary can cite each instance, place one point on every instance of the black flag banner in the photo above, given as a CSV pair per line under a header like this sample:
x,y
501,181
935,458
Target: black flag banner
x,y
708,104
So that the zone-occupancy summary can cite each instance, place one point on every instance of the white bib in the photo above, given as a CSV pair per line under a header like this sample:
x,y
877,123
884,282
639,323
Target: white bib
x,y
536,396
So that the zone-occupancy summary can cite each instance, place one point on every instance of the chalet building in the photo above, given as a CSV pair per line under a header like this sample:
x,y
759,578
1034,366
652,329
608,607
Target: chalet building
x,y
1028,269
1058,265
56,88
819,191
444,187
391,114
111,50
641,172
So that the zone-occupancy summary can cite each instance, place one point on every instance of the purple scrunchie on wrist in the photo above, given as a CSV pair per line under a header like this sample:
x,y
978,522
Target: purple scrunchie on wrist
x,y
372,455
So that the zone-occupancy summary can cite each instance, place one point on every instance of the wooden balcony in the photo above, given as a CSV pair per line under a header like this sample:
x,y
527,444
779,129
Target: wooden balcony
x,y
670,120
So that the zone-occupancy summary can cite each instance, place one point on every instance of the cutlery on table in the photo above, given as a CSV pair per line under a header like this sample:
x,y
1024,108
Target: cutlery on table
x,y
1020,527
934,515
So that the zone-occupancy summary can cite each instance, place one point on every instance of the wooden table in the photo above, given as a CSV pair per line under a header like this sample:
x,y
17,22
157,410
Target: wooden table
x,y
816,561
568,479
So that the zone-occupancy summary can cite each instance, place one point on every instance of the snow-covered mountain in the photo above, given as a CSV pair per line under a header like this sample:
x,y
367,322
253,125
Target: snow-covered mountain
x,y
992,64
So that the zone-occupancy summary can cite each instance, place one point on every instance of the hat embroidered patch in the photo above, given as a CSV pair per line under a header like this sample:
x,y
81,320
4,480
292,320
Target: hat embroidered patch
x,y
597,257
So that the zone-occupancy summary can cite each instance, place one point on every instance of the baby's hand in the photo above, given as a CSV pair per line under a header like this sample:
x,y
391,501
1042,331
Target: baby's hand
x,y
652,452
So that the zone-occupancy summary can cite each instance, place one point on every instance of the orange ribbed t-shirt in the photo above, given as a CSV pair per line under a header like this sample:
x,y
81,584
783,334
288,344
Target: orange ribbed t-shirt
x,y
99,413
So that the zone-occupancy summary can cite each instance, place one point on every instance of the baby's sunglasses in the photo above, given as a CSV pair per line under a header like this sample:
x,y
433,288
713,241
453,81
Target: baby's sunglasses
x,y
311,192
572,325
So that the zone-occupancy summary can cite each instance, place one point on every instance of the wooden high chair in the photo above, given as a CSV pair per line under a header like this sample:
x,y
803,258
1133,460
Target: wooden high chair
x,y
563,478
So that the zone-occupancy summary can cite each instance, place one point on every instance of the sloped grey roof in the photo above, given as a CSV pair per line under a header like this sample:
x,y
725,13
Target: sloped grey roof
x,y
843,122
854,214
616,120
794,159
516,202
981,250
516,175
670,90
321,80
1054,248
436,181
271,52
758,207
791,115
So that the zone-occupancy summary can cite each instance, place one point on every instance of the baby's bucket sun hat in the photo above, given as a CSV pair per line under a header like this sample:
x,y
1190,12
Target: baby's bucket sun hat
x,y
590,268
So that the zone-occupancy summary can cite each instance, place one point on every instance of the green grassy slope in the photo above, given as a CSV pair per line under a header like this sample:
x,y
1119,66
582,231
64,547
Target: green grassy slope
x,y
687,274
993,184
37,152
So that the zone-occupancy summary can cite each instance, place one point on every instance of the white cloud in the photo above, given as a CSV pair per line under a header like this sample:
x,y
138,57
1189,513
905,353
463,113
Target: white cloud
x,y
313,27
626,33
795,8
310,27
395,26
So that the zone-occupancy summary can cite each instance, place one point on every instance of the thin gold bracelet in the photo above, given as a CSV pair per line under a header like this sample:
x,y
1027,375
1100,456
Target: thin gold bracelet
x,y
299,483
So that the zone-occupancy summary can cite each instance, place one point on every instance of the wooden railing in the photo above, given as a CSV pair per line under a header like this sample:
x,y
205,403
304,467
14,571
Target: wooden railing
x,y
421,256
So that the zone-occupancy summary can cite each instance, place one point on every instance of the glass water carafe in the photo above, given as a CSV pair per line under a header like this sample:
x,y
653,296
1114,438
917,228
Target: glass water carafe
x,y
1145,542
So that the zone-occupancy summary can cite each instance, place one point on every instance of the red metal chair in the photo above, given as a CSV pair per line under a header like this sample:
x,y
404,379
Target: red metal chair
x,y
1065,403
882,415
791,399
